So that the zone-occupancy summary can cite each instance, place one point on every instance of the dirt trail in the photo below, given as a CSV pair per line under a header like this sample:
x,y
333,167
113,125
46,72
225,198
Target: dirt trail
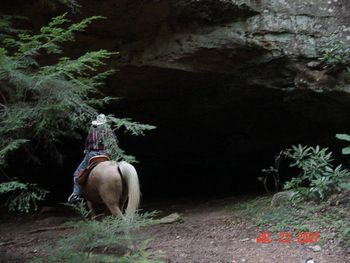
x,y
209,233
19,245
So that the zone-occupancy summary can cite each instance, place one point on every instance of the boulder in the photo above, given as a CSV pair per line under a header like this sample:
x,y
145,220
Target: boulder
x,y
282,198
172,218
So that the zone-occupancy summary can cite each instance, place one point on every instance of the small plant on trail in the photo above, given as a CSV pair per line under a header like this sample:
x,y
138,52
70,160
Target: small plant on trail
x,y
104,241
272,171
80,208
318,177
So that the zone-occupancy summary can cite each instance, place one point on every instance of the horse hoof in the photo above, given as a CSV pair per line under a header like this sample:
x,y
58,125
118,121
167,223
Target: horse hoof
x,y
98,217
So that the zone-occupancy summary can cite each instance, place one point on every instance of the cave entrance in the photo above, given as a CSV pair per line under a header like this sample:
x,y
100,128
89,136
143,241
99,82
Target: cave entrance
x,y
214,134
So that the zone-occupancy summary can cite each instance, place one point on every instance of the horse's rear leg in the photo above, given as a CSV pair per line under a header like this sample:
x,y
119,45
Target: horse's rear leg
x,y
91,207
111,200
94,211
114,208
112,203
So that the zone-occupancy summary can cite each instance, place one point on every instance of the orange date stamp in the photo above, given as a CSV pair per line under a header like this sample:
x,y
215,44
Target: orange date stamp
x,y
286,237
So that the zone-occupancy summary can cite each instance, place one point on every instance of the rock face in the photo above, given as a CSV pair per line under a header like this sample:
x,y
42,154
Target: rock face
x,y
265,43
228,83
240,37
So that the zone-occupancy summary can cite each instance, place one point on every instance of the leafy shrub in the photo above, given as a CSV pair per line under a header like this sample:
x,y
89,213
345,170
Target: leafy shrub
x,y
344,137
318,178
336,52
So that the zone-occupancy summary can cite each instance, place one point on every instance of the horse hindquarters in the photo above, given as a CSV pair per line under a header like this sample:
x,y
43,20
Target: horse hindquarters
x,y
104,187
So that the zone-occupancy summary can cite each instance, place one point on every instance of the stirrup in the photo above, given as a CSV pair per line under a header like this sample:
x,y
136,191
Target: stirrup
x,y
74,198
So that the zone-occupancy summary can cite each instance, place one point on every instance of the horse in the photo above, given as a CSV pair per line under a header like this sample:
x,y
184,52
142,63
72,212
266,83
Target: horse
x,y
110,184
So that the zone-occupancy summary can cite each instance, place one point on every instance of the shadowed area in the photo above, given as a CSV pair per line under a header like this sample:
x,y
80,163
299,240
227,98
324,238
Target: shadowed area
x,y
227,84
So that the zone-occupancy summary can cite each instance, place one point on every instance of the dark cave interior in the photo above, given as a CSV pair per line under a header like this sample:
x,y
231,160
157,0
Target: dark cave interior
x,y
212,137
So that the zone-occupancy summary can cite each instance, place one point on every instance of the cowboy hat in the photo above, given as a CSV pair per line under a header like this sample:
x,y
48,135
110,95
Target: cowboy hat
x,y
100,119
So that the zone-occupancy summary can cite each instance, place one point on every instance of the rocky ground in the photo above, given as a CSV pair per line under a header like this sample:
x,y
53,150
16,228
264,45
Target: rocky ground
x,y
208,232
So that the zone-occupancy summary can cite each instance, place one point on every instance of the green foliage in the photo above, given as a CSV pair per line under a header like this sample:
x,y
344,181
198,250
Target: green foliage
x,y
336,52
104,241
318,177
45,102
120,154
344,137
22,197
130,126
13,145
134,128
44,95
110,232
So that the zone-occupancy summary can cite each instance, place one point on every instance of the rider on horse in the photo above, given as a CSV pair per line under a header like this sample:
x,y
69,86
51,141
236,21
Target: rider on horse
x,y
101,140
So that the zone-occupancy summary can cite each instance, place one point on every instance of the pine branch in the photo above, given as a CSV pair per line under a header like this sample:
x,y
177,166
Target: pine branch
x,y
134,128
49,38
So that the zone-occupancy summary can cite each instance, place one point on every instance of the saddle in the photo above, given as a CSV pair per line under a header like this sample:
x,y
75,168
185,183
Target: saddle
x,y
93,162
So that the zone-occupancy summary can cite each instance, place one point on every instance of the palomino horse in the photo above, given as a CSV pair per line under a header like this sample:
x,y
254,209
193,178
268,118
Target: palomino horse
x,y
111,184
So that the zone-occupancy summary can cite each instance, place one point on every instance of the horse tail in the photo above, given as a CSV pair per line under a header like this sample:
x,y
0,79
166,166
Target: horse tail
x,y
130,175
